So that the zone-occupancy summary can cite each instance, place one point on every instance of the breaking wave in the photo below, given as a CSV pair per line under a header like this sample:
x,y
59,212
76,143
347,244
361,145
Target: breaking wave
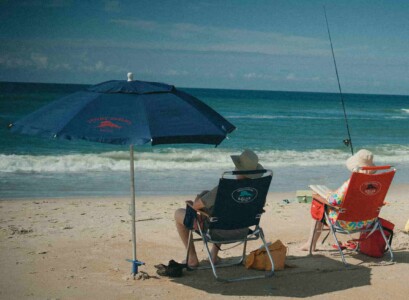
x,y
279,117
184,159
320,117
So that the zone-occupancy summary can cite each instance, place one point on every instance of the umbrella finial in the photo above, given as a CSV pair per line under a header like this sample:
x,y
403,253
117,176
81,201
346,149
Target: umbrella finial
x,y
130,76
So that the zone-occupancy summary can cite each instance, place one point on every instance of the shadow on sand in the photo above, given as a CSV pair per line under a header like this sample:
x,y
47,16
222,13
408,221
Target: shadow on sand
x,y
310,276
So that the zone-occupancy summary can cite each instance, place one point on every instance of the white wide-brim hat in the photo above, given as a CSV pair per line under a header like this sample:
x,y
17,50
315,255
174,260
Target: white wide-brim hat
x,y
247,161
363,158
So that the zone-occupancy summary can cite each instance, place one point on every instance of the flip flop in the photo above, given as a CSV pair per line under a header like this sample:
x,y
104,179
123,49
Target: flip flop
x,y
176,264
350,245
171,271
335,246
160,266
174,269
183,265
172,263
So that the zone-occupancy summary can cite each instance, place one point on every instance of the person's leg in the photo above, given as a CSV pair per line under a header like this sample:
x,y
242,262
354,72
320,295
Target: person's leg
x,y
184,236
214,252
316,227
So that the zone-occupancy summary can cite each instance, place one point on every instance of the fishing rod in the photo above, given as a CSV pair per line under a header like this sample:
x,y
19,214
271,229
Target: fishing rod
x,y
348,141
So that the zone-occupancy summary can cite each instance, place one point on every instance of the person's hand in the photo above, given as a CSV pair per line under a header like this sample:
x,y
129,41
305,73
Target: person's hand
x,y
198,203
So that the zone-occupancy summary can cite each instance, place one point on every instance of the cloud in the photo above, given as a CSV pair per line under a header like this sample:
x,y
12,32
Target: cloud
x,y
46,3
101,67
191,37
39,60
136,24
293,77
61,66
271,77
172,72
261,76
253,76
35,61
60,3
112,6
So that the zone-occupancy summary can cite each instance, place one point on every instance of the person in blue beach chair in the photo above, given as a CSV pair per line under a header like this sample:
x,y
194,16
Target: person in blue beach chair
x,y
246,161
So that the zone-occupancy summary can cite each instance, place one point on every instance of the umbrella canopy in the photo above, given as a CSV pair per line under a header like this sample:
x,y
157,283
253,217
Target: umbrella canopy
x,y
128,112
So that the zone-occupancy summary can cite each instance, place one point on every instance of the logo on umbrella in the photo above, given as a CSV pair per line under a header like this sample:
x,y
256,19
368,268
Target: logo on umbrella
x,y
108,124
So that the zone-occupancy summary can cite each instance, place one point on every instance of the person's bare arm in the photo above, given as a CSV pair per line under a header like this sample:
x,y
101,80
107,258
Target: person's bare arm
x,y
198,203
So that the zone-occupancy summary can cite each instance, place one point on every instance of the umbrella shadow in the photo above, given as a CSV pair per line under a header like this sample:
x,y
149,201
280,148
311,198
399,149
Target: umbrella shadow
x,y
401,256
308,276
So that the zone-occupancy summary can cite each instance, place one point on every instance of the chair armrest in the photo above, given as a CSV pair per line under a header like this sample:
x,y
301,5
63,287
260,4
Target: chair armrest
x,y
323,201
199,211
375,168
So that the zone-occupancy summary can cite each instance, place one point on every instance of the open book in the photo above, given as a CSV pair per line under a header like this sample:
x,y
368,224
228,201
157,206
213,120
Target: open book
x,y
321,190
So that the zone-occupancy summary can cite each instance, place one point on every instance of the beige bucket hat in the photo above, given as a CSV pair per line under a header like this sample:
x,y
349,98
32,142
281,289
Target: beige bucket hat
x,y
247,161
363,158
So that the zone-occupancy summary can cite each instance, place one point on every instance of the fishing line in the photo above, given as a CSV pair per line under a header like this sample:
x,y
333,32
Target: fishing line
x,y
347,142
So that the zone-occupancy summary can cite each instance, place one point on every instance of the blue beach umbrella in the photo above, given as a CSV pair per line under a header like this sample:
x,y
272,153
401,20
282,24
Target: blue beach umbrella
x,y
128,112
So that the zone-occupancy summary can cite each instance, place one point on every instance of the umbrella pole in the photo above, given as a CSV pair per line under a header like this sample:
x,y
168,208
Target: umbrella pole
x,y
134,261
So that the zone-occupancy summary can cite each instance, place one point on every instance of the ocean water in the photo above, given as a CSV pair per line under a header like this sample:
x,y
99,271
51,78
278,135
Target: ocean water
x,y
297,135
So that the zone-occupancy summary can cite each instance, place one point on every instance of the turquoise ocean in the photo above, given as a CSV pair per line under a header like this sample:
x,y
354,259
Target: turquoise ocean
x,y
298,135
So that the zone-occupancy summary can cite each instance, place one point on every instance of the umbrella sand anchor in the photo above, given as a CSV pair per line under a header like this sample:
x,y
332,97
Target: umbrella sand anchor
x,y
128,113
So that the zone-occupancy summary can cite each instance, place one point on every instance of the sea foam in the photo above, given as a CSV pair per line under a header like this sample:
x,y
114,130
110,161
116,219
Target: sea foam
x,y
184,159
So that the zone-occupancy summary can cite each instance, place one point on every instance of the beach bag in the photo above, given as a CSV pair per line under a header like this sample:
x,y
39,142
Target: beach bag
x,y
258,259
373,244
317,210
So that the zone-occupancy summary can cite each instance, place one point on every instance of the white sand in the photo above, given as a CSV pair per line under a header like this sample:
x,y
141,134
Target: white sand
x,y
76,249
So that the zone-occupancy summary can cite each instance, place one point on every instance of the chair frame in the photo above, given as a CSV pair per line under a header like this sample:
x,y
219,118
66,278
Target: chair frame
x,y
389,171
254,234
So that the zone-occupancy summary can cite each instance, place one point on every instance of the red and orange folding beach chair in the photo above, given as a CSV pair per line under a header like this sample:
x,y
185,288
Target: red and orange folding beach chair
x,y
363,201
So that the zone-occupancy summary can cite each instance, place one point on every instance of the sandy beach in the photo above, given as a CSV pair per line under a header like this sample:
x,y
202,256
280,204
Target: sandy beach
x,y
76,249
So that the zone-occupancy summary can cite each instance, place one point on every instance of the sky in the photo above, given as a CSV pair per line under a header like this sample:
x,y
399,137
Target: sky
x,y
279,45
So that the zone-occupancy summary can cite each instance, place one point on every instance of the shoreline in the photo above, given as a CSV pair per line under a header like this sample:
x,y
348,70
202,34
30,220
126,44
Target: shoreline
x,y
398,187
75,248
287,177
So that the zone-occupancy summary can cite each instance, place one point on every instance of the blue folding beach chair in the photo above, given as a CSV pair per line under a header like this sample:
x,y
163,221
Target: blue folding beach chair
x,y
239,205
